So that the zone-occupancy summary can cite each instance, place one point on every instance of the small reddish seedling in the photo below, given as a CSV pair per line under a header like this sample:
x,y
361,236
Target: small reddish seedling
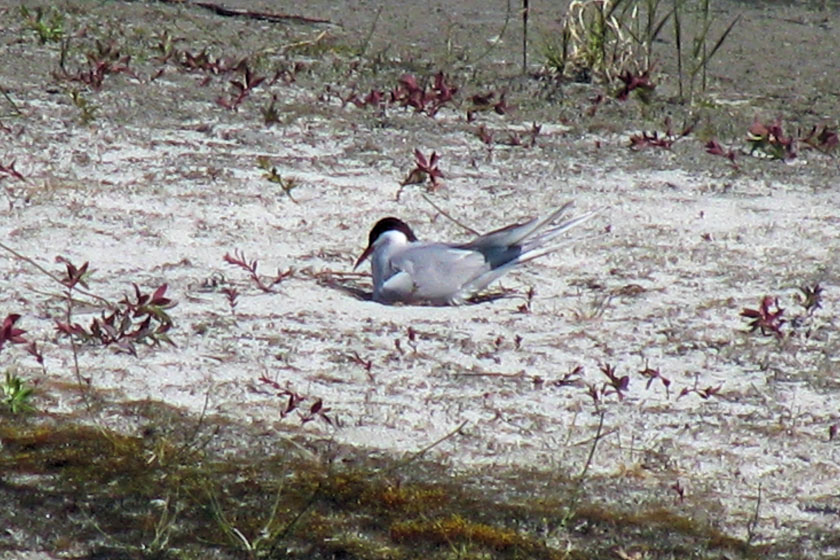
x,y
654,374
425,169
9,333
484,135
317,410
356,359
641,84
821,138
704,394
366,365
238,259
770,140
412,338
766,320
102,62
714,148
515,139
595,104
376,98
618,384
810,297
73,275
32,350
242,88
293,401
529,300
203,62
654,140
232,296
409,93
680,491
594,394
143,319
486,102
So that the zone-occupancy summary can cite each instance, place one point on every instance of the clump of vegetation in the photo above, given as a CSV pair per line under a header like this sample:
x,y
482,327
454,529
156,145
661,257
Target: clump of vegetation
x,y
16,393
771,141
694,62
170,493
242,88
125,324
654,140
769,318
412,93
266,285
606,39
87,110
425,169
105,59
48,23
287,184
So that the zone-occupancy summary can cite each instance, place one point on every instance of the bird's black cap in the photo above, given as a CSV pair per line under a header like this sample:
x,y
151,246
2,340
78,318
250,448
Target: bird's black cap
x,y
382,226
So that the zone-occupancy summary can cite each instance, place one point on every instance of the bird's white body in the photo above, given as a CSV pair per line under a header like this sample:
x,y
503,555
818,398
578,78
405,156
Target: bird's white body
x,y
406,270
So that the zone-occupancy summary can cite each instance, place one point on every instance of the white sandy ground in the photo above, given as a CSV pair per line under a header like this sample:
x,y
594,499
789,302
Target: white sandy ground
x,y
659,278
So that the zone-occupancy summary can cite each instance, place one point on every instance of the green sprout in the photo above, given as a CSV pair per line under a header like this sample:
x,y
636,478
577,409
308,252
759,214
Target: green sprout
x,y
88,109
48,25
16,394
273,176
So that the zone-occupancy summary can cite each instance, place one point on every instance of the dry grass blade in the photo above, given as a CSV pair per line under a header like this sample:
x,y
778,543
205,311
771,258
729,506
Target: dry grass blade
x,y
678,44
708,56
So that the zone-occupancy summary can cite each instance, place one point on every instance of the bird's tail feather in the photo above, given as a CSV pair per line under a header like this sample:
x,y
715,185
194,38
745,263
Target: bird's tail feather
x,y
535,247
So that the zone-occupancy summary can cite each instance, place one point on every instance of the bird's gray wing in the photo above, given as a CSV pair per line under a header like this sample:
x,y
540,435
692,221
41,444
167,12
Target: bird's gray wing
x,y
517,233
435,273
521,243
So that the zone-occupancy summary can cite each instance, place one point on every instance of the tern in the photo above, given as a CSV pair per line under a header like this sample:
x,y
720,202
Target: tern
x,y
409,271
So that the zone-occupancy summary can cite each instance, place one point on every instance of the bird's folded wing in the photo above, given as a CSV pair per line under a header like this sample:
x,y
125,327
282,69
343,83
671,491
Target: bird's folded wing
x,y
435,272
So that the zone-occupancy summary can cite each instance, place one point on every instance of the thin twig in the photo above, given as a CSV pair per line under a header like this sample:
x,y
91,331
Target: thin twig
x,y
449,217
220,10
30,261
525,11
51,275
312,499
188,442
84,388
297,45
56,295
570,511
423,451
15,108
753,523
517,375
494,44
594,438
369,36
